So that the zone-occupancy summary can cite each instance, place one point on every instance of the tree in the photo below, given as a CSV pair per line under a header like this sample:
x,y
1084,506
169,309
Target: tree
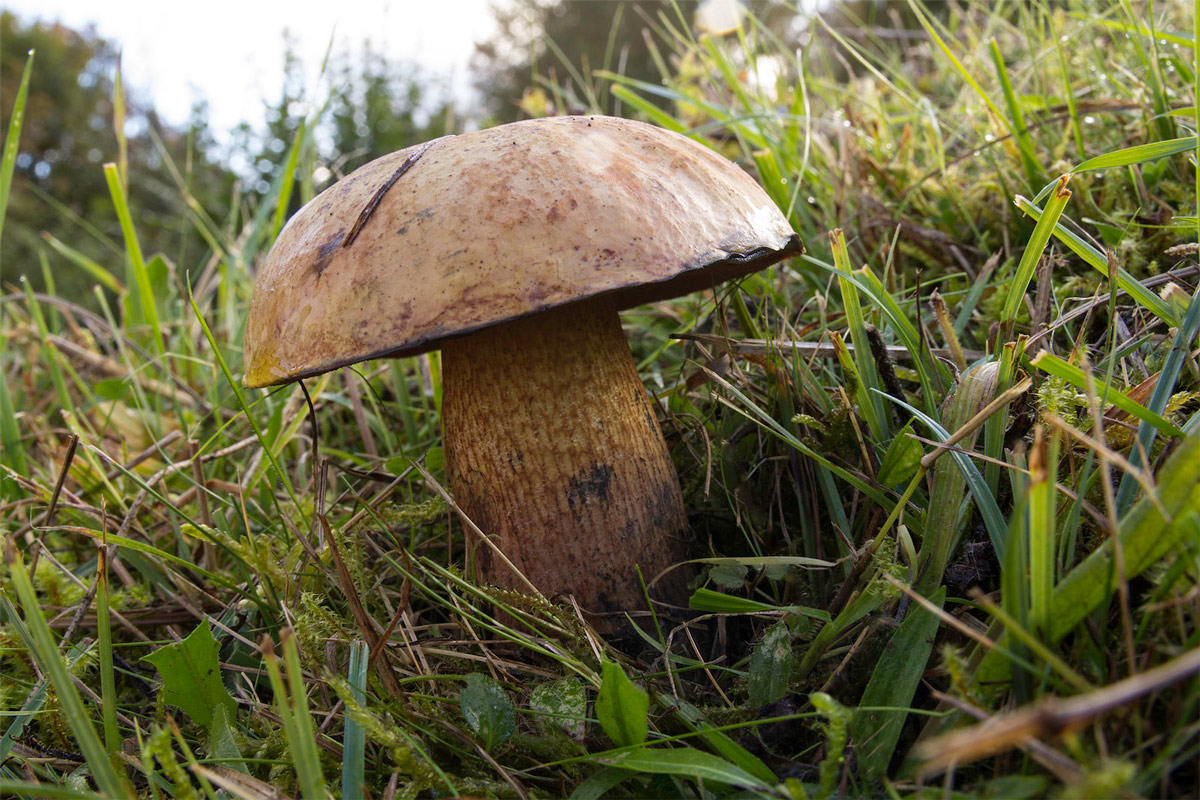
x,y
59,188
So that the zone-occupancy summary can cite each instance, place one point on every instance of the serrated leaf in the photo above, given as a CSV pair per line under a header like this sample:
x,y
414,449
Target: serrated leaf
x,y
771,665
564,703
487,710
191,675
901,460
621,707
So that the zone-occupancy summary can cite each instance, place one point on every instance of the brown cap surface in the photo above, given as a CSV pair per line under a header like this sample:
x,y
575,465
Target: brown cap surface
x,y
468,231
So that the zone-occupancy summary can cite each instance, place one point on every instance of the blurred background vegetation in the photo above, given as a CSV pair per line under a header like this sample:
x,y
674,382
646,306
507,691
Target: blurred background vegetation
x,y
374,104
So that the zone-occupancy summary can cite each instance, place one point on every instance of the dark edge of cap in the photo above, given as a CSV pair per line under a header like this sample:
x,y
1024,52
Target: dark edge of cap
x,y
688,280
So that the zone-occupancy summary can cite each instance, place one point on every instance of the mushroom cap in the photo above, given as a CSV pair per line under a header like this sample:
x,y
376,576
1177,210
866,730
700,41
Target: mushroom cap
x,y
468,231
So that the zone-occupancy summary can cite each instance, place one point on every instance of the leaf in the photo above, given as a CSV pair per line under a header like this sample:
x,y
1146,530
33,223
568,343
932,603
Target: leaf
x,y
597,785
191,675
564,703
901,460
893,684
221,744
771,665
487,709
730,576
621,707
685,761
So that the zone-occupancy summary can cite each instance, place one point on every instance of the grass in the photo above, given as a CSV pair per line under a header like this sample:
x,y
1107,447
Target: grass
x,y
941,471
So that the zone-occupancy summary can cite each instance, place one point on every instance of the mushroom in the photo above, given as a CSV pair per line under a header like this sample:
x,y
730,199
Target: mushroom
x,y
512,249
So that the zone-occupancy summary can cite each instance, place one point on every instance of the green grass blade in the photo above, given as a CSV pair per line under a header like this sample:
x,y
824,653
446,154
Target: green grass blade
x,y
1056,366
1094,258
1033,173
869,404
1043,465
1147,536
44,650
289,181
92,268
931,29
143,291
8,163
883,708
1033,251
1167,377
353,738
292,707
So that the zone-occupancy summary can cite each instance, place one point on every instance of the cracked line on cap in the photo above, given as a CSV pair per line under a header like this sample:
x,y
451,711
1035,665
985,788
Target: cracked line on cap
x,y
370,207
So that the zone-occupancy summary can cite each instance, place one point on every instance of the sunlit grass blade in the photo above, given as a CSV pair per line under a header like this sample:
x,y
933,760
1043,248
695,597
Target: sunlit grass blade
x,y
869,405
1127,157
1043,466
1147,536
1094,258
289,180
1033,251
140,282
931,29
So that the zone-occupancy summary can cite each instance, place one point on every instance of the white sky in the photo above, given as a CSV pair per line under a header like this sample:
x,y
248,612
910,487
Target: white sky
x,y
231,52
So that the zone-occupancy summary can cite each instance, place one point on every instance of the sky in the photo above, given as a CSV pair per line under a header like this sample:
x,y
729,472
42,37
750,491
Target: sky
x,y
230,52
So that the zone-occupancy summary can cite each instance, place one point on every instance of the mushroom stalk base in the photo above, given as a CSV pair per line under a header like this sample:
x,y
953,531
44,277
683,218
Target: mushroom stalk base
x,y
553,450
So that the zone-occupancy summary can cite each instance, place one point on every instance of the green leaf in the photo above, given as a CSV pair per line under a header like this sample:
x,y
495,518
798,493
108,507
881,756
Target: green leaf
x,y
621,707
564,703
901,460
487,709
730,576
221,744
191,675
892,686
598,784
687,762
771,665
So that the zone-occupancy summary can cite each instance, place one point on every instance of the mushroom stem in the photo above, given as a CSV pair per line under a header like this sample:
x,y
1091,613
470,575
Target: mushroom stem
x,y
552,447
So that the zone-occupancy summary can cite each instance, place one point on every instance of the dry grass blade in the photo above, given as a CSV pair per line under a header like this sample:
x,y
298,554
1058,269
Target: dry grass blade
x,y
1049,718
